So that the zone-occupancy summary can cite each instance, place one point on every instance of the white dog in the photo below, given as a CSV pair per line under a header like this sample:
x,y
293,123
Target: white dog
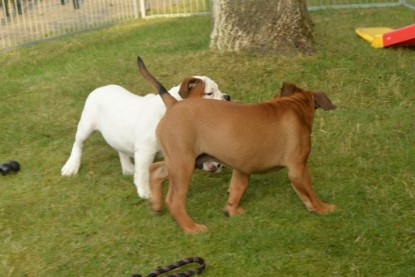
x,y
128,122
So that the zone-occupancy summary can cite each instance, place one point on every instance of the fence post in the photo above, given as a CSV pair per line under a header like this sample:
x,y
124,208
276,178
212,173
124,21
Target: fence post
x,y
18,4
135,7
76,4
6,7
142,9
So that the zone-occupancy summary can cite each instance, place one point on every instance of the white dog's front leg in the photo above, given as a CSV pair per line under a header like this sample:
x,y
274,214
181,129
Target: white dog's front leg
x,y
142,162
127,166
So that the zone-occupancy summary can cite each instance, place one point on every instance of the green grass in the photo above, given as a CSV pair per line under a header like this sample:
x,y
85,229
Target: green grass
x,y
94,224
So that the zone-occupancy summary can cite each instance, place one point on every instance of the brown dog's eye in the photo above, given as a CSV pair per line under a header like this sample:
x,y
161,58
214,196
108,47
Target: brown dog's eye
x,y
209,93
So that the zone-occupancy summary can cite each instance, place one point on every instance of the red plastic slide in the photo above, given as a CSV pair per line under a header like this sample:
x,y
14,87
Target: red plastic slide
x,y
384,37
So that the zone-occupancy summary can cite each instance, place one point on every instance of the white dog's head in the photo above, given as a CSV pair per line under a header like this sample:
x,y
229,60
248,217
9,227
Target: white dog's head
x,y
211,89
208,163
198,87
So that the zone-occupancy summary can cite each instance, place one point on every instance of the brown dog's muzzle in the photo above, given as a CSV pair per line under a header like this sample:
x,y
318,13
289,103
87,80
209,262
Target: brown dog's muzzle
x,y
227,97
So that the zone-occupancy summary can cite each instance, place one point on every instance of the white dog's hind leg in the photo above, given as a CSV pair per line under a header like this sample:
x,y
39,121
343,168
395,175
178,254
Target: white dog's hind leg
x,y
71,167
84,131
127,166
142,162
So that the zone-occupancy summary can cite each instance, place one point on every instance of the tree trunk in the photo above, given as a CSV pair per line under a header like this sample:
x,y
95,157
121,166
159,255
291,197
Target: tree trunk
x,y
275,26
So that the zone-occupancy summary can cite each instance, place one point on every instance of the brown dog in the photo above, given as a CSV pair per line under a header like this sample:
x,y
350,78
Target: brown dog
x,y
250,138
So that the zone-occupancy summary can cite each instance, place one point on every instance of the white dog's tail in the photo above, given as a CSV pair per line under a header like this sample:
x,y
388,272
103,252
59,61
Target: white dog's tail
x,y
164,94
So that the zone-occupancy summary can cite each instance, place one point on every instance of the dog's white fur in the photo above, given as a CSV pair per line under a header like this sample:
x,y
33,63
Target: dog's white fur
x,y
127,122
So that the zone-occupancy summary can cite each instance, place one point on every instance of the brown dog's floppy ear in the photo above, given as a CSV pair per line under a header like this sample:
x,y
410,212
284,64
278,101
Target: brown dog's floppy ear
x,y
287,89
322,101
190,83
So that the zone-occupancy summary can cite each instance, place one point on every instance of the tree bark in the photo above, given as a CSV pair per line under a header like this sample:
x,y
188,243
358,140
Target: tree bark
x,y
276,26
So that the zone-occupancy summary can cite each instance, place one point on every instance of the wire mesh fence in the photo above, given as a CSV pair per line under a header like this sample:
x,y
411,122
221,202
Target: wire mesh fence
x,y
27,21
24,21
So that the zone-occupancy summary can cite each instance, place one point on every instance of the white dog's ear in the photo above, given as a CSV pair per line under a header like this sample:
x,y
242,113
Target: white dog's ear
x,y
191,87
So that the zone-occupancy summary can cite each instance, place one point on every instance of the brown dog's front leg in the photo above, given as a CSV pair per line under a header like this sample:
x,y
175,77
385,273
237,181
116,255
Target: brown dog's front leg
x,y
158,174
301,181
237,188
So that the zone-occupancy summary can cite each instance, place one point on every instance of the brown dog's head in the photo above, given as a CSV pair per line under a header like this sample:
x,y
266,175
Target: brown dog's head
x,y
320,99
201,87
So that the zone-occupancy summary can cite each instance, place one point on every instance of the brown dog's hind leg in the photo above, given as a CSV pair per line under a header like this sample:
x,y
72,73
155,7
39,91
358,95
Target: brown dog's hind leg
x,y
301,181
237,188
179,176
158,174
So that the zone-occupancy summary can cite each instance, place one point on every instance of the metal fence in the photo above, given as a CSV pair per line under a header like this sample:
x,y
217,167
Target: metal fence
x,y
27,21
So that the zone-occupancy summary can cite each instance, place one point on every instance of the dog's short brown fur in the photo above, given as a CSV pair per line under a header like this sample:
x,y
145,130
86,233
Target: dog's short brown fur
x,y
249,138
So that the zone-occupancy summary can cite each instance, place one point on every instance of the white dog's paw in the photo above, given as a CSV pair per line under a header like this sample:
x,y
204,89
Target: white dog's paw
x,y
128,170
70,169
144,193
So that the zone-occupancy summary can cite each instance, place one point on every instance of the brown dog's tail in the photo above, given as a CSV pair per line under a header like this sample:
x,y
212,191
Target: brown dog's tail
x,y
164,94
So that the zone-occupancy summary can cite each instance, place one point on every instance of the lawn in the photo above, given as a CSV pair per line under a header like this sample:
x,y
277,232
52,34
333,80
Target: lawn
x,y
94,224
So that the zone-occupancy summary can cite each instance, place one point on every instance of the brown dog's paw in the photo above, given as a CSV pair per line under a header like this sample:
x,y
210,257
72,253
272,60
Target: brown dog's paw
x,y
330,208
156,206
196,229
233,212
325,209
156,212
